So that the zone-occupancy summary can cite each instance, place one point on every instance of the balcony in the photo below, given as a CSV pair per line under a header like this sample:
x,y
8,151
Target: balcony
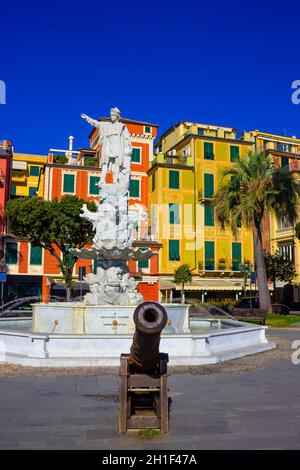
x,y
169,159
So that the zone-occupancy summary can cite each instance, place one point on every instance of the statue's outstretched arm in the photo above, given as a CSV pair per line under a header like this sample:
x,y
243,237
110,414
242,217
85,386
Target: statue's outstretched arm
x,y
92,122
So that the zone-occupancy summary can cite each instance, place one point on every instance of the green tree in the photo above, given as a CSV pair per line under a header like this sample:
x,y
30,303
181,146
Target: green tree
x,y
279,268
51,224
182,275
250,189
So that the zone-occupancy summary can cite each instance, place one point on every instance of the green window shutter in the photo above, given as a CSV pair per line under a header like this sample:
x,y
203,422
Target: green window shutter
x,y
209,151
36,255
144,263
136,155
32,192
209,219
236,256
173,179
208,185
13,190
174,250
147,129
153,181
285,162
174,214
34,171
69,183
209,248
134,188
234,153
93,181
11,253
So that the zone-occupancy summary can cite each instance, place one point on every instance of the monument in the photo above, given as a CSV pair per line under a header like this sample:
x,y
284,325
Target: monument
x,y
112,222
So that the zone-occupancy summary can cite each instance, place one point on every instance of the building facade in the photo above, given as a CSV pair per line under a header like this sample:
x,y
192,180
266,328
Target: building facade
x,y
26,171
6,152
184,176
279,233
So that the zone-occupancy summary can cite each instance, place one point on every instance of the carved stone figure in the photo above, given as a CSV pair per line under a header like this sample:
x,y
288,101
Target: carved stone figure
x,y
113,223
114,139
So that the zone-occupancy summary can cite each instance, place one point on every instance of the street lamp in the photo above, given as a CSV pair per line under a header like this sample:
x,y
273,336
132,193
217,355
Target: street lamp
x,y
245,268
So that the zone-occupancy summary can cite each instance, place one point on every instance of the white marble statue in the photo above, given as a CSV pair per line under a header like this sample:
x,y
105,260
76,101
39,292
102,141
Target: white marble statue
x,y
114,139
113,223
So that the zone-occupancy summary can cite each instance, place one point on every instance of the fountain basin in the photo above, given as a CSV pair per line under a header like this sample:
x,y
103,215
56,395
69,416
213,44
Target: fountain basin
x,y
207,343
77,318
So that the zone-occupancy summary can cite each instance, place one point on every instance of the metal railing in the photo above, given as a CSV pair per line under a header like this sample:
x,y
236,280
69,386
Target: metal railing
x,y
12,304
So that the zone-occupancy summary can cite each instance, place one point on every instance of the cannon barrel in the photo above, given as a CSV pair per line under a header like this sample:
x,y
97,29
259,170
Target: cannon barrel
x,y
150,318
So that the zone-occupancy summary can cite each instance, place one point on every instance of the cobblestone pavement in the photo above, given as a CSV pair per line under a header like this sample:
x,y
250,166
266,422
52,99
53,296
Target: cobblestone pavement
x,y
252,409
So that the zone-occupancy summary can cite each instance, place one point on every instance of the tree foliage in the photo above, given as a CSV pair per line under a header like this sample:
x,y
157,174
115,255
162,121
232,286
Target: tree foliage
x,y
183,275
52,224
279,268
251,188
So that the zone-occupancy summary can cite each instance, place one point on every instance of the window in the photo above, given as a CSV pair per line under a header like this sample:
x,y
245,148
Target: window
x,y
208,185
143,264
209,151
153,181
13,190
36,255
173,179
134,188
93,182
287,251
285,162
69,183
234,153
174,252
147,129
209,220
284,222
34,171
136,155
174,214
11,253
283,147
200,131
32,191
236,256
209,248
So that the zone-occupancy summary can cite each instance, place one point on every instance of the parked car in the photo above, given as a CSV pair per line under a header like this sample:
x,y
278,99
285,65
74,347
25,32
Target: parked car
x,y
253,304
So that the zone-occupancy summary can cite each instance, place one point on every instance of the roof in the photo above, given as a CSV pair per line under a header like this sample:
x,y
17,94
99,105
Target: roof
x,y
213,126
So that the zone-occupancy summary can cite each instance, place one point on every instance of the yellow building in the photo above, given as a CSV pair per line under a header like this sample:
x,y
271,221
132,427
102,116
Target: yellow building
x,y
184,175
279,234
27,174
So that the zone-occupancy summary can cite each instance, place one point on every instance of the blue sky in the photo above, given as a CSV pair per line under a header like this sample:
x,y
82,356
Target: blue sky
x,y
229,63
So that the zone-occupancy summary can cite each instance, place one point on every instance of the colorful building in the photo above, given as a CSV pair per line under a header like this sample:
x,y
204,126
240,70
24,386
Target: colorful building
x,y
26,173
183,176
33,271
6,151
279,233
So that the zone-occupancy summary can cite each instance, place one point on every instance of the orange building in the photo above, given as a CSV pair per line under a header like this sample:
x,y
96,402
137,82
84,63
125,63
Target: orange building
x,y
77,172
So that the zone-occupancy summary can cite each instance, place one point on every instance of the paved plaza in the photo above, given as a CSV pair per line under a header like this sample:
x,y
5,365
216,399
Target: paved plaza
x,y
254,408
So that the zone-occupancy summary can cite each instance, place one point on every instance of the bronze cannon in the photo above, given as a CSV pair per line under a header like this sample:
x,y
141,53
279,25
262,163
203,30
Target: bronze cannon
x,y
150,318
143,373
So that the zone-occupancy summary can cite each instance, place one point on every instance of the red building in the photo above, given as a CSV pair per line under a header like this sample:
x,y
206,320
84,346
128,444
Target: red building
x,y
5,181
77,172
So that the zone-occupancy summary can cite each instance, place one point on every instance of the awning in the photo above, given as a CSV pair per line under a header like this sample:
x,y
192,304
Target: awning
x,y
208,285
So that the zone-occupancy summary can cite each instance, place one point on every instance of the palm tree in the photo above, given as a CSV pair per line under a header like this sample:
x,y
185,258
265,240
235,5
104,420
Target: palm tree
x,y
251,189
